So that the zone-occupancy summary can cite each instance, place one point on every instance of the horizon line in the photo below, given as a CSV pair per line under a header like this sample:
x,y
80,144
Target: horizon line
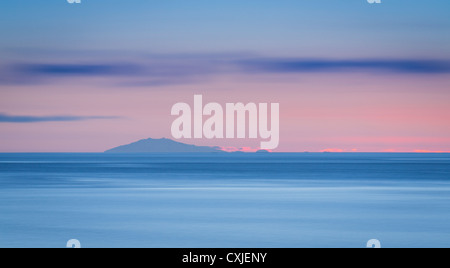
x,y
304,152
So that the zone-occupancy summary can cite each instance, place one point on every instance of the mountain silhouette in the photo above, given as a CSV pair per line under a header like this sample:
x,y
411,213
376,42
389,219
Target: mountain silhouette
x,y
162,146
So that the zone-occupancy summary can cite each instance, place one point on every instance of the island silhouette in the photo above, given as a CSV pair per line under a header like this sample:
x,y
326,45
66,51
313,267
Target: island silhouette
x,y
163,146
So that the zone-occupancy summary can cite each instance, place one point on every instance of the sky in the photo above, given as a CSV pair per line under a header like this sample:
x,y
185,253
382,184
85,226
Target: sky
x,y
349,76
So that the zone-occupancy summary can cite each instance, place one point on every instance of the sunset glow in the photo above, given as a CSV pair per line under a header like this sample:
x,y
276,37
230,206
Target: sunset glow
x,y
367,86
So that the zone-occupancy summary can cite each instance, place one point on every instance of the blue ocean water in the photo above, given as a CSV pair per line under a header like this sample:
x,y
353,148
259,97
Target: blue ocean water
x,y
225,200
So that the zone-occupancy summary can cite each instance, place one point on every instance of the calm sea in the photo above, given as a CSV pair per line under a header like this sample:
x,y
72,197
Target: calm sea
x,y
225,200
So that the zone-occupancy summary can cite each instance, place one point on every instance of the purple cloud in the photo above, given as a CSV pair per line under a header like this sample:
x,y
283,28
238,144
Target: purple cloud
x,y
5,118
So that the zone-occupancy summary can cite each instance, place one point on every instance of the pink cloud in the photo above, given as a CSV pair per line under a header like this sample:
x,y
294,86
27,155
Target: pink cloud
x,y
430,151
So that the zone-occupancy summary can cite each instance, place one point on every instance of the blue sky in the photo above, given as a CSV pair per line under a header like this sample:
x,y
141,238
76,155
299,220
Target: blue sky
x,y
320,28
